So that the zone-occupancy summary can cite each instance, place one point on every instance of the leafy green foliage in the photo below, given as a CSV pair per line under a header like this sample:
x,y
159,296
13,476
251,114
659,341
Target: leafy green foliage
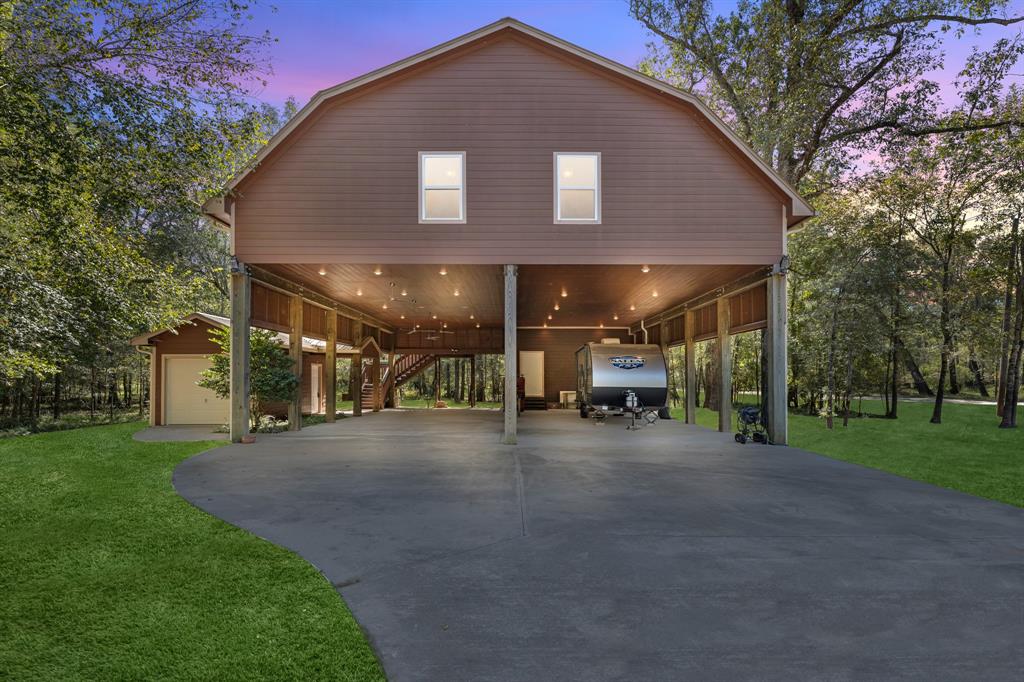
x,y
271,371
109,574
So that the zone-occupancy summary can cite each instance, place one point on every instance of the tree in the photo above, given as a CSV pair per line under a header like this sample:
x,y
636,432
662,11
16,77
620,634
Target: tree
x,y
806,82
271,371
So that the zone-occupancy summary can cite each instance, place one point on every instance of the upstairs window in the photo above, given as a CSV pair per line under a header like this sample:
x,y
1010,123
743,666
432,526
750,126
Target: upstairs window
x,y
442,187
577,188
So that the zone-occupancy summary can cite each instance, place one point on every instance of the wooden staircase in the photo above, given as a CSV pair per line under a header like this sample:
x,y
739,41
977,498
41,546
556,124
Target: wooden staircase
x,y
405,368
535,403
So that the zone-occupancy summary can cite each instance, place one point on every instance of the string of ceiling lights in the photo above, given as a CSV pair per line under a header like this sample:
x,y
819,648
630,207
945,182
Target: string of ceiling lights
x,y
404,295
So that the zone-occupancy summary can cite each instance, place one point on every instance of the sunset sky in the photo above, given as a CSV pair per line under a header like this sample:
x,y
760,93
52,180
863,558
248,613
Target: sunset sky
x,y
322,43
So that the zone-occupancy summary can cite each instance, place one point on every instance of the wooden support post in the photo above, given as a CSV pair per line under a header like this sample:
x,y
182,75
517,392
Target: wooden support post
x,y
724,367
691,368
777,401
331,368
375,382
295,351
472,380
511,399
389,397
437,380
241,300
355,377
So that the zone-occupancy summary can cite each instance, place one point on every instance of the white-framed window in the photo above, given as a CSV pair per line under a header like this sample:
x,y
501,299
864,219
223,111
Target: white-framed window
x,y
577,187
442,187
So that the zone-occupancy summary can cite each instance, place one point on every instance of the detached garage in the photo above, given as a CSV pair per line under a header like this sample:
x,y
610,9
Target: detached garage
x,y
179,355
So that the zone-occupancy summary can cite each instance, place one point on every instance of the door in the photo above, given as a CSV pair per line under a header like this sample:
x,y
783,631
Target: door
x,y
185,402
531,366
314,388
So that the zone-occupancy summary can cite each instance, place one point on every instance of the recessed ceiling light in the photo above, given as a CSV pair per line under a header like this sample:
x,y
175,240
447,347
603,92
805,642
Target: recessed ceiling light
x,y
545,325
601,325
654,294
615,316
551,317
557,307
457,292
645,268
564,293
377,271
401,317
632,307
322,271
444,325
444,270
433,317
417,326
472,317
359,292
404,292
385,306
477,325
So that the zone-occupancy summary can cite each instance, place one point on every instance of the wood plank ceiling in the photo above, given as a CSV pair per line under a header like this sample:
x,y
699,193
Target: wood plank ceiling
x,y
470,295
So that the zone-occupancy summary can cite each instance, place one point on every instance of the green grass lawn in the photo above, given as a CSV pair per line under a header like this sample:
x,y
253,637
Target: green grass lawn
x,y
108,574
966,452
428,403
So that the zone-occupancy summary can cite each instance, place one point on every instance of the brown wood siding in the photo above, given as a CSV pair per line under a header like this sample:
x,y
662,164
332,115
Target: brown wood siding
x,y
705,322
676,330
748,310
560,346
314,321
191,339
483,340
344,187
653,334
344,330
269,308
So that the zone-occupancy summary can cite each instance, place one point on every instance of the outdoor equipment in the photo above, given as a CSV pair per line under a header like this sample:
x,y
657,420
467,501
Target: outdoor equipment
x,y
749,425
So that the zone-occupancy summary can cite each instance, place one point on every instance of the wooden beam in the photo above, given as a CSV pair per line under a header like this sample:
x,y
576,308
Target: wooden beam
x,y
281,284
295,352
734,287
331,369
724,351
777,418
691,369
511,412
375,382
355,377
241,291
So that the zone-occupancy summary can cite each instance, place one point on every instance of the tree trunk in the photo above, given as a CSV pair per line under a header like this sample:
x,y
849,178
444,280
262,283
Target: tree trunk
x,y
56,395
920,383
979,378
1009,419
849,389
954,377
947,343
1011,276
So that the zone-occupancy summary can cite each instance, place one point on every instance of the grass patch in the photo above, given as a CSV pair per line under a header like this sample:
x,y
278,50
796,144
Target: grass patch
x,y
967,452
109,574
428,403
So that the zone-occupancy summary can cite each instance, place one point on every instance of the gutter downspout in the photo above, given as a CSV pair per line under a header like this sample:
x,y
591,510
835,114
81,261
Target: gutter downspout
x,y
643,329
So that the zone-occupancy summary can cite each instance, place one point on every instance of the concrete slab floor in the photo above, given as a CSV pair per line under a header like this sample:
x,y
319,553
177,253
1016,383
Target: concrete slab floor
x,y
589,552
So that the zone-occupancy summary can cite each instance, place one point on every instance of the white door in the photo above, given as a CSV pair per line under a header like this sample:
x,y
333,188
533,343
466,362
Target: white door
x,y
185,402
531,366
314,388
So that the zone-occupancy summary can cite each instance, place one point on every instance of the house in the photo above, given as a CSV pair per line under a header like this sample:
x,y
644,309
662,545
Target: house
x,y
178,356
509,192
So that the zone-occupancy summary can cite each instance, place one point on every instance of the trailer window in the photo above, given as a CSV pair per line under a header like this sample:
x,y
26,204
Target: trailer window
x,y
443,187
577,188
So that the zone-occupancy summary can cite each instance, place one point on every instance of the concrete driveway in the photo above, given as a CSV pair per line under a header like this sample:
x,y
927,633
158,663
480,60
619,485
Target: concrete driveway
x,y
589,552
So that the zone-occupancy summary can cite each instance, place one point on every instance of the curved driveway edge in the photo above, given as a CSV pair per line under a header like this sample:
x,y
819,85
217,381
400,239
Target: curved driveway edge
x,y
589,552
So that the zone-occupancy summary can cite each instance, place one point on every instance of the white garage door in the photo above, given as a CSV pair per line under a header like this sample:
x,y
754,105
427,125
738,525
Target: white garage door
x,y
184,401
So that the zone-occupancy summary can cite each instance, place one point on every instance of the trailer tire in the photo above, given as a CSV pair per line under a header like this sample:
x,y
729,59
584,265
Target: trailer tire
x,y
584,413
663,413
